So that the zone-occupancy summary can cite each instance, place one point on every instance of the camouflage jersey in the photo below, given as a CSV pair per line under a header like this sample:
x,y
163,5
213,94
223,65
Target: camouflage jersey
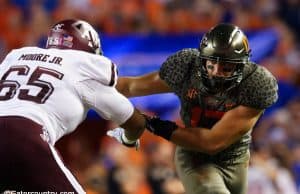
x,y
258,89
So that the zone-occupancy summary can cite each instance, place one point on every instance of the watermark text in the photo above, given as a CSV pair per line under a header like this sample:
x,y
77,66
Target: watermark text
x,y
36,192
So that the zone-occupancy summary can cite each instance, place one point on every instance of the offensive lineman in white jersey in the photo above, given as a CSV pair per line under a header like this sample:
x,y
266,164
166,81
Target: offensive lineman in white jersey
x,y
45,94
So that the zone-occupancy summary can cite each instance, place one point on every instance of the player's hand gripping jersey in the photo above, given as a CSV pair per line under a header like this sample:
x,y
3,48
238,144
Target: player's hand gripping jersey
x,y
56,88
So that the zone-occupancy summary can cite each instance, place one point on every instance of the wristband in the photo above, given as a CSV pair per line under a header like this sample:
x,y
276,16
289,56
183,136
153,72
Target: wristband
x,y
160,127
127,142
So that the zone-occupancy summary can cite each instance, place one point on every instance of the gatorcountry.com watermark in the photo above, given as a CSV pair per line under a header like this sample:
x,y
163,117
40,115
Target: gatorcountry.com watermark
x,y
36,192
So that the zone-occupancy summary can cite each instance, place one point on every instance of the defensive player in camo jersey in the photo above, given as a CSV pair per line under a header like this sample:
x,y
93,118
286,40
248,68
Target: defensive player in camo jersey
x,y
222,96
44,95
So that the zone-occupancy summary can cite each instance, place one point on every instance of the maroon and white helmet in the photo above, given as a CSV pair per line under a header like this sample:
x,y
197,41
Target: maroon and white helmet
x,y
74,34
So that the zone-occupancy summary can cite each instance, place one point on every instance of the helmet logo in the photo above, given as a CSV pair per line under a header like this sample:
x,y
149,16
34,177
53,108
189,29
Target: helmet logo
x,y
58,27
239,51
65,40
87,33
205,40
246,44
91,39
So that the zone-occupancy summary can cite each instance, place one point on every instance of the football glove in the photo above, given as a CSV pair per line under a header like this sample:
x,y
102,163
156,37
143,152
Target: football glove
x,y
163,128
119,134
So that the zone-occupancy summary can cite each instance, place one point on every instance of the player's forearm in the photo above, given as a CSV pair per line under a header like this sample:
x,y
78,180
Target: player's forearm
x,y
133,134
142,85
209,141
134,126
197,139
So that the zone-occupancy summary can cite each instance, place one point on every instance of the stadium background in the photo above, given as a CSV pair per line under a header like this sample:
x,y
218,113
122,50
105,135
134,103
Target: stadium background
x,y
138,35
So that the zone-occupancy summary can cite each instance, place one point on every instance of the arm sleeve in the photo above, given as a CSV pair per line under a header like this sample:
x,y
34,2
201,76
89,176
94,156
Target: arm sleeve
x,y
105,100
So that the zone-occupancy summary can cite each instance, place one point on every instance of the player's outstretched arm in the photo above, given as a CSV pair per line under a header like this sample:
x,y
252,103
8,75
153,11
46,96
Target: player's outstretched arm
x,y
143,85
233,125
134,126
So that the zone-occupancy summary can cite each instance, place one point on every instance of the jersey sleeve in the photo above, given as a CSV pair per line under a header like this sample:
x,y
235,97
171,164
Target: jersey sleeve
x,y
175,69
105,100
101,69
259,90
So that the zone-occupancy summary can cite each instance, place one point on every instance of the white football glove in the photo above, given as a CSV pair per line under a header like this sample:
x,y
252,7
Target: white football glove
x,y
119,134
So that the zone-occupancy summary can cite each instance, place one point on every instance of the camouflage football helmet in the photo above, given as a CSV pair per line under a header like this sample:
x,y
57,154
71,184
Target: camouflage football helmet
x,y
224,43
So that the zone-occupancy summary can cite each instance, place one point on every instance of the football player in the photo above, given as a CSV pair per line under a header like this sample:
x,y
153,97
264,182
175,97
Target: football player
x,y
45,94
222,95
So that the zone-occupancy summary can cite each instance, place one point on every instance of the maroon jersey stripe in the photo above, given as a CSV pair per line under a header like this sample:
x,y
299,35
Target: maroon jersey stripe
x,y
113,75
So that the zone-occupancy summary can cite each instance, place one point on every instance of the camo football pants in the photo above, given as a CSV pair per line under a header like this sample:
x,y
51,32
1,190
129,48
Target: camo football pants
x,y
205,177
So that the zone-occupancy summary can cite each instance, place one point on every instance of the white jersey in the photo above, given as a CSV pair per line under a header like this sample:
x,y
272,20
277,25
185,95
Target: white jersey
x,y
56,88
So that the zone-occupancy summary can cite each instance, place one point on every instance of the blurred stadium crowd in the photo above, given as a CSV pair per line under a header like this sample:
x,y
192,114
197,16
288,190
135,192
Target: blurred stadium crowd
x,y
105,167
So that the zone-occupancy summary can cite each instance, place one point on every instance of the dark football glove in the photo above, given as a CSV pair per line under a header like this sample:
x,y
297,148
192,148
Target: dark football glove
x,y
163,128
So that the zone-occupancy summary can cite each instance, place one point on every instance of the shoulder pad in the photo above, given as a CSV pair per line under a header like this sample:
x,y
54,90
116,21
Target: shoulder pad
x,y
259,90
101,69
175,69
